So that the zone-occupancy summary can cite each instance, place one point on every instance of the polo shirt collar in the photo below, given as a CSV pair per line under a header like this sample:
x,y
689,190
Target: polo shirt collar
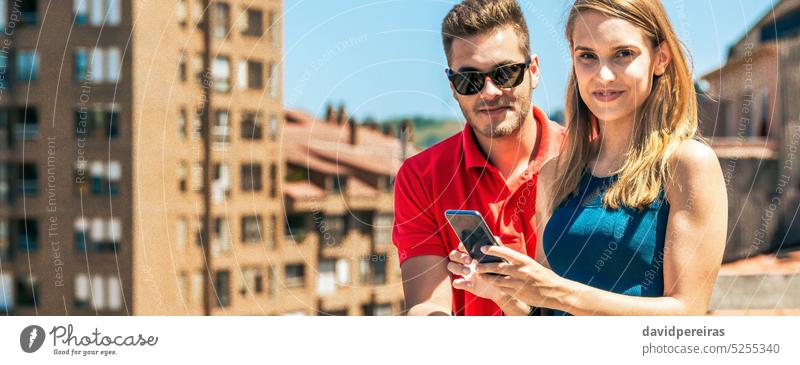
x,y
548,144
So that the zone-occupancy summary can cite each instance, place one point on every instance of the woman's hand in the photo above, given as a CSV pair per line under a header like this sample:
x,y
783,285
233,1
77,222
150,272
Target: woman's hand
x,y
522,278
463,265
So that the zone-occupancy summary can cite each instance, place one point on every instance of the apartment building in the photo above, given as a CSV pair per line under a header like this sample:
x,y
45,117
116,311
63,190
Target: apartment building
x,y
140,168
339,212
749,112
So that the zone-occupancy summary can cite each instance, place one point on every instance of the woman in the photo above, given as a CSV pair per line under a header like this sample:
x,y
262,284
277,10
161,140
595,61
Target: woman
x,y
635,207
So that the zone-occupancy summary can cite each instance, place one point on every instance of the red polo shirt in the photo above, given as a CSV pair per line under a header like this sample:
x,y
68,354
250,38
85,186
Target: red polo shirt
x,y
454,174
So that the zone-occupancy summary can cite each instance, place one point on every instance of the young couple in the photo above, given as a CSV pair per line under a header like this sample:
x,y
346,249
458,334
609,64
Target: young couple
x,y
624,212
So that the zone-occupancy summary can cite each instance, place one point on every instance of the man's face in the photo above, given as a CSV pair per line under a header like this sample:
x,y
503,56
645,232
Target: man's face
x,y
494,112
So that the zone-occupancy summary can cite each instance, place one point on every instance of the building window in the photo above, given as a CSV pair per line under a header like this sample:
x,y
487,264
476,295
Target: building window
x,y
372,270
5,244
337,184
196,287
104,178
97,12
382,230
181,233
254,23
251,177
221,19
198,68
221,186
764,119
377,309
27,65
27,291
221,73
255,75
295,275
388,183
273,81
222,236
273,127
198,10
102,292
197,177
6,292
197,125
198,232
222,286
98,292
102,119
182,124
326,278
114,174
105,234
332,230
28,11
251,226
26,123
181,12
111,121
5,183
114,293
296,227
273,282
81,59
296,174
251,126
182,69
183,174
5,81
28,176
250,75
332,273
97,65
81,290
221,131
362,221
104,65
253,281
81,234
3,21
273,181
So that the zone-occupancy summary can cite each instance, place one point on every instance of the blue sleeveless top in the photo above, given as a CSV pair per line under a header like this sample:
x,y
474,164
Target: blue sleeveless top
x,y
621,250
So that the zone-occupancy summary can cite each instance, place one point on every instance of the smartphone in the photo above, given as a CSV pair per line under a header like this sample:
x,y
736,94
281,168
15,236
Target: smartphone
x,y
473,232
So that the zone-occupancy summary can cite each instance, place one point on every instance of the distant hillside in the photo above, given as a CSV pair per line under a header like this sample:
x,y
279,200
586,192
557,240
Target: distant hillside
x,y
428,131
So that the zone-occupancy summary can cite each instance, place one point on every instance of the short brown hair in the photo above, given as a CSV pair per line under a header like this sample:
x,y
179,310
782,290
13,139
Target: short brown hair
x,y
474,17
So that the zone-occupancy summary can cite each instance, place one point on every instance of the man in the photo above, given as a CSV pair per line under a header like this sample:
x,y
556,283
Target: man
x,y
491,166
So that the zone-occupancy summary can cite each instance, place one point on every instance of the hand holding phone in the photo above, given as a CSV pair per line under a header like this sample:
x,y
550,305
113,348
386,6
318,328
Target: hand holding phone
x,y
473,232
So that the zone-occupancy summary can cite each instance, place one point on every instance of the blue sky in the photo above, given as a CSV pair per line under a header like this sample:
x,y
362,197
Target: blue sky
x,y
384,58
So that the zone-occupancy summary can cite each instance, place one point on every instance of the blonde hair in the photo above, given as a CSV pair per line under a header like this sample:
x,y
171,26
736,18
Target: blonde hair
x,y
667,117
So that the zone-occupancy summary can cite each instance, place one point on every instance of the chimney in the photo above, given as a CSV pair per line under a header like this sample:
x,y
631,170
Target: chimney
x,y
329,116
353,128
341,115
388,130
370,123
406,133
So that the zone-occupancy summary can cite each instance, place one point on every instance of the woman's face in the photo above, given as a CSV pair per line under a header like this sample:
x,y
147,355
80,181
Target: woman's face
x,y
614,65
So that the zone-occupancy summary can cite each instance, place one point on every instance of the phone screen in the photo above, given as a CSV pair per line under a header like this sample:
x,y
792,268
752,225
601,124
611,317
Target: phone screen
x,y
473,232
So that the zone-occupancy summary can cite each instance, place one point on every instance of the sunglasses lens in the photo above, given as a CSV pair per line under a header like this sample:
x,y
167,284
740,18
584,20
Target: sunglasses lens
x,y
508,76
470,83
467,83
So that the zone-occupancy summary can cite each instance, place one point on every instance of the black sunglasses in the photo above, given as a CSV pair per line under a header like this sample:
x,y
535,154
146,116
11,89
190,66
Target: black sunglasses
x,y
505,76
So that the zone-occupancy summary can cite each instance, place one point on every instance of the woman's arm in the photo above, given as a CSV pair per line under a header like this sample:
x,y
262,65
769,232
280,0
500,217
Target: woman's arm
x,y
695,241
